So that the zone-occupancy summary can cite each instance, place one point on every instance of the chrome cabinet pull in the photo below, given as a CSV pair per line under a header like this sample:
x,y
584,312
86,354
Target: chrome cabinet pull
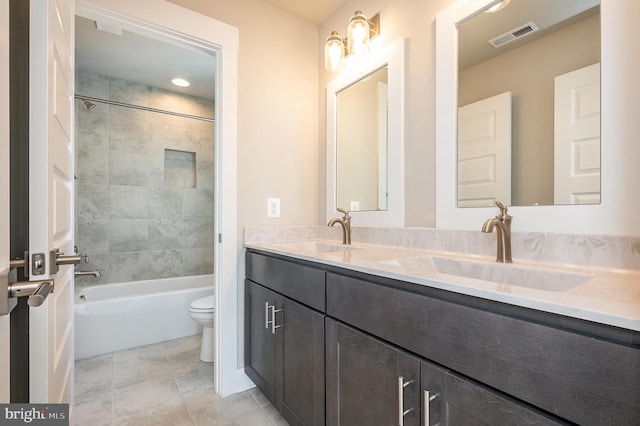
x,y
427,403
401,411
266,315
426,408
273,319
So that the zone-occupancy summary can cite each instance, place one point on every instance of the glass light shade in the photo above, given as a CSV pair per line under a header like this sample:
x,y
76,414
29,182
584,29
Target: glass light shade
x,y
358,33
333,52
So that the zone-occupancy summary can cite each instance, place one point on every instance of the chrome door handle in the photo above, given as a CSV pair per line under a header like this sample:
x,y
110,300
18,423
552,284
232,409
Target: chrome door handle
x,y
401,411
37,291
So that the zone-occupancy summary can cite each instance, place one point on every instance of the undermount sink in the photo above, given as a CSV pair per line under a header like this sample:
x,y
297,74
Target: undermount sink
x,y
503,273
315,247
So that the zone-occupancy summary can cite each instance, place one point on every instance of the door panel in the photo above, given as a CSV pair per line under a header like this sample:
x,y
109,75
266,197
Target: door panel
x,y
362,380
300,380
577,137
51,194
484,152
260,343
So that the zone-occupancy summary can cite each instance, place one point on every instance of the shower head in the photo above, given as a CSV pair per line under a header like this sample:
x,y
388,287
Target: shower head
x,y
89,105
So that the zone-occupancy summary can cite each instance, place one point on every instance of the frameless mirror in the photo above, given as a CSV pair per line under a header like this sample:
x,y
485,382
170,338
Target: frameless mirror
x,y
361,144
365,116
529,104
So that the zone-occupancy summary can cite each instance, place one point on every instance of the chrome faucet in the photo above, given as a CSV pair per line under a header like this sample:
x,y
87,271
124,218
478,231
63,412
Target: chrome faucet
x,y
345,222
502,223
95,274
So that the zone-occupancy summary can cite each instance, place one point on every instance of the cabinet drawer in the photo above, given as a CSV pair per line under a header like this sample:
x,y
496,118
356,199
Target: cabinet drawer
x,y
299,282
576,377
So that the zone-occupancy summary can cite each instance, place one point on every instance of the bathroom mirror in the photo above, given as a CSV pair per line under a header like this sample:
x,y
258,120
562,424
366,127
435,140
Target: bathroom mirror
x,y
542,145
361,144
558,218
365,116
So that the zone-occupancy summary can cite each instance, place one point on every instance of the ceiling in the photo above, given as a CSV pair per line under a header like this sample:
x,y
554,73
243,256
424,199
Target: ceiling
x,y
549,15
316,11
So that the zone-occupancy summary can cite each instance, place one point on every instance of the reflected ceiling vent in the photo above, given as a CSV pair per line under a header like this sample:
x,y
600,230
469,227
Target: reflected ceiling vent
x,y
110,29
514,34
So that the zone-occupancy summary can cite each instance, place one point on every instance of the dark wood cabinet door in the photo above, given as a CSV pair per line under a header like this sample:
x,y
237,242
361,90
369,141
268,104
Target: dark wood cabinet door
x,y
363,375
469,403
300,377
259,342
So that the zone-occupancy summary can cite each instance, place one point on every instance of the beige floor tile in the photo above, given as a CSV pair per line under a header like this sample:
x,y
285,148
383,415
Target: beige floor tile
x,y
137,365
156,398
97,412
259,397
253,418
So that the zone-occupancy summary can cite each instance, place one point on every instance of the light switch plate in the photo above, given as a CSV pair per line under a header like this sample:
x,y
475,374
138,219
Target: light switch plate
x,y
273,207
355,206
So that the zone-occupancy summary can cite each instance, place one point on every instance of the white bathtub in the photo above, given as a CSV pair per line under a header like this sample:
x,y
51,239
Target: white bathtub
x,y
113,317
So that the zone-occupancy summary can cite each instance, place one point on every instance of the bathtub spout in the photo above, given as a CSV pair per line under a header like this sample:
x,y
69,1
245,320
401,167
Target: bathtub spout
x,y
95,274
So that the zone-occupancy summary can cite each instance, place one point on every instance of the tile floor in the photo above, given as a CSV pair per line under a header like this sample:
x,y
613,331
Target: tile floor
x,y
162,384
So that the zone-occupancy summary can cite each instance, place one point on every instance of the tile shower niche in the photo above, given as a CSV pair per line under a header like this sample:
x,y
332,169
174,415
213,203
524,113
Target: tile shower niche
x,y
179,169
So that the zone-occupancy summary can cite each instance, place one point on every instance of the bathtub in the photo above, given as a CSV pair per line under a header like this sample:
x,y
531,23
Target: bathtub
x,y
113,317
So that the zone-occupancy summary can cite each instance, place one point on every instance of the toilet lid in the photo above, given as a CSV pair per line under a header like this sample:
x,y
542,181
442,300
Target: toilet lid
x,y
204,303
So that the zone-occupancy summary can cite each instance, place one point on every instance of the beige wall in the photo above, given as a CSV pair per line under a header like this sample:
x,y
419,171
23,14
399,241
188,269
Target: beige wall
x,y
282,103
277,110
530,81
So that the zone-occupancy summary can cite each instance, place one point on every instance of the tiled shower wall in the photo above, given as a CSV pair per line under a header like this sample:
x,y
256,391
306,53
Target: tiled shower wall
x,y
144,183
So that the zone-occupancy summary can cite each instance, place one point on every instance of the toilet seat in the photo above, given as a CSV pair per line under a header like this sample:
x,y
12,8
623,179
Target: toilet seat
x,y
204,304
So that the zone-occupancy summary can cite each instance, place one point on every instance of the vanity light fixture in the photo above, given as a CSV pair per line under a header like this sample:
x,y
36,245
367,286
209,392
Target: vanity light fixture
x,y
181,82
499,6
359,32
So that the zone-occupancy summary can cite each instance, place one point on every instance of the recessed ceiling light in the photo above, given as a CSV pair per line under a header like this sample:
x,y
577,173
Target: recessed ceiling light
x,y
180,82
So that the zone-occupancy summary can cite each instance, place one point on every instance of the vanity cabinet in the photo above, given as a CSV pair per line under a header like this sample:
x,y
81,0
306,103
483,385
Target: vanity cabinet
x,y
388,341
284,346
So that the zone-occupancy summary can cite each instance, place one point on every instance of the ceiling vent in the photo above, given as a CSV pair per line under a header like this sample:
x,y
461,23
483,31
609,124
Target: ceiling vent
x,y
514,34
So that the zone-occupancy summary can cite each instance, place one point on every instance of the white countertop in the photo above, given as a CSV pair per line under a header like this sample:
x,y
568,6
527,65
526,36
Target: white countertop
x,y
608,296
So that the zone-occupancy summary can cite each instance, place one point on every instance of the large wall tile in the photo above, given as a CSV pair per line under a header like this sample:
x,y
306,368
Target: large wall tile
x,y
165,203
126,267
128,235
95,262
128,202
128,92
197,261
205,176
165,234
198,203
92,126
198,233
91,84
92,201
128,169
92,166
93,236
128,135
165,263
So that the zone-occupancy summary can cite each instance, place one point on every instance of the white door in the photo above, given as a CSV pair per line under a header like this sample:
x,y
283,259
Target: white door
x,y
577,137
484,152
51,87
4,190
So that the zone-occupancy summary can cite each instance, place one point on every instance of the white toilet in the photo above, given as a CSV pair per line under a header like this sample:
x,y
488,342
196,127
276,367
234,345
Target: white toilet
x,y
202,311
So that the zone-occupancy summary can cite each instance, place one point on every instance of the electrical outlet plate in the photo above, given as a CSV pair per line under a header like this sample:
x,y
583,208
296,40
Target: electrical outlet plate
x,y
273,207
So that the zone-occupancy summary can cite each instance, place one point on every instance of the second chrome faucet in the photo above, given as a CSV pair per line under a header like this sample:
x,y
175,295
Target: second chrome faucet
x,y
345,222
502,223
